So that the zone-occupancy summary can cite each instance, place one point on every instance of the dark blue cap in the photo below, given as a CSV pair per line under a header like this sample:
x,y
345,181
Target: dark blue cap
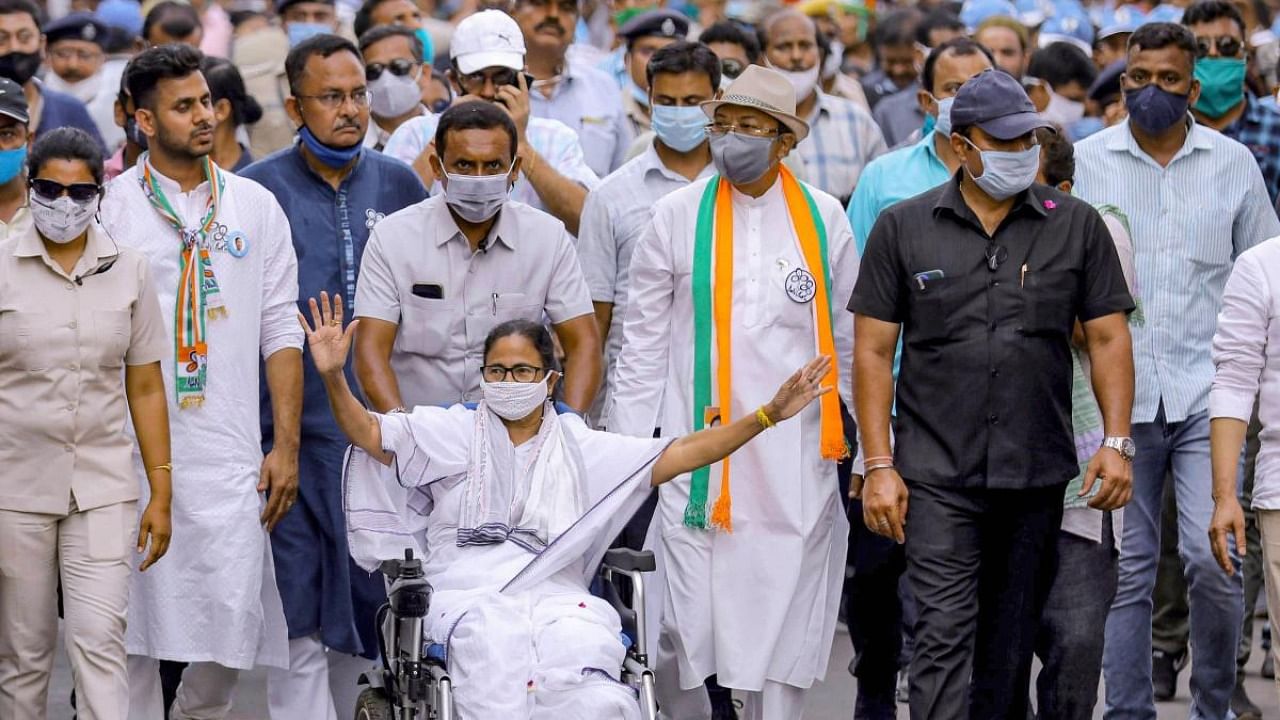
x,y
76,26
656,23
996,103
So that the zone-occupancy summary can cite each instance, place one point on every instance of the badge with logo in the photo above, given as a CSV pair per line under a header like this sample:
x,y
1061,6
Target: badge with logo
x,y
238,244
801,287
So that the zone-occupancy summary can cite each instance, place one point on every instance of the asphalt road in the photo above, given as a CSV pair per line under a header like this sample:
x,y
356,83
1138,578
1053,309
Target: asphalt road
x,y
829,700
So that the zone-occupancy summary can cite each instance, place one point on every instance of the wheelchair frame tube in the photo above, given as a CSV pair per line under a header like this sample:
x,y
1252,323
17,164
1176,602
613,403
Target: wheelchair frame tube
x,y
638,604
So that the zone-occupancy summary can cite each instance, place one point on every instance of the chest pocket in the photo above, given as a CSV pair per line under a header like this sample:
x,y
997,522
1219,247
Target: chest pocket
x,y
16,345
931,309
111,330
1048,302
596,136
425,325
500,308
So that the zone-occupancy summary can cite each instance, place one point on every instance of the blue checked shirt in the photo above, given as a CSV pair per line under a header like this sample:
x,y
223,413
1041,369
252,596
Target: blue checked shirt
x,y
842,140
1259,130
1189,221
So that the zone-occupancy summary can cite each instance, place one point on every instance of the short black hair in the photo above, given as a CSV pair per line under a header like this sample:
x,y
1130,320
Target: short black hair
x,y
727,31
960,46
1158,35
176,19
14,7
66,143
382,32
898,28
535,333
1206,11
939,18
474,115
683,56
325,45
1060,63
363,22
163,62
1057,157
225,83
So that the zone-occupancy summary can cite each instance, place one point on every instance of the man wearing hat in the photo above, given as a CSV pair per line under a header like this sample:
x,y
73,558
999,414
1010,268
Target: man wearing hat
x,y
76,46
984,276
739,277
644,35
487,58
14,139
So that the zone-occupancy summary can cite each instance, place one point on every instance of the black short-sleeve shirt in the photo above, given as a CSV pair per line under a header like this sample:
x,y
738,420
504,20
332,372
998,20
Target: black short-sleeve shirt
x,y
984,389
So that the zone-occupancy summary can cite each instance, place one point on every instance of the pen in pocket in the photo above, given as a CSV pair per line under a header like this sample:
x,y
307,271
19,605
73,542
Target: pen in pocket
x,y
1022,281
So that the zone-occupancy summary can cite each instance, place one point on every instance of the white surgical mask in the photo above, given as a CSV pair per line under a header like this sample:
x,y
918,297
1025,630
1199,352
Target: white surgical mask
x,y
835,59
393,95
1006,173
62,220
802,81
477,197
1063,111
83,90
514,400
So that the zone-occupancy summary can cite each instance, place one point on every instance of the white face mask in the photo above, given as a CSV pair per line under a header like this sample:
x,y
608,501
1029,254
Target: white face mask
x,y
802,81
393,95
61,221
1063,111
835,59
514,400
83,90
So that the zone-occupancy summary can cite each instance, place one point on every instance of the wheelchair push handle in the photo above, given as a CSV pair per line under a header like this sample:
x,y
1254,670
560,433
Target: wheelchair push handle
x,y
627,560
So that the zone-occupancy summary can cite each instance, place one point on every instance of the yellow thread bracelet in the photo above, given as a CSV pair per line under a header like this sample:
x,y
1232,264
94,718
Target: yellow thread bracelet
x,y
762,417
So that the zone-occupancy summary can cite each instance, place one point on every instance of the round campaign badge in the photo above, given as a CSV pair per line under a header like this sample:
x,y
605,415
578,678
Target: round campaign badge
x,y
238,244
801,287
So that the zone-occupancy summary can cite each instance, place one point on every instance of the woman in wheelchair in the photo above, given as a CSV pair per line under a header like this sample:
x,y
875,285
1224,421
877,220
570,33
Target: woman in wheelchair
x,y
517,504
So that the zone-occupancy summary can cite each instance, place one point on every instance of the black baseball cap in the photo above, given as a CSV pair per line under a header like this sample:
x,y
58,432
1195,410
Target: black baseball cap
x,y
13,103
656,23
996,103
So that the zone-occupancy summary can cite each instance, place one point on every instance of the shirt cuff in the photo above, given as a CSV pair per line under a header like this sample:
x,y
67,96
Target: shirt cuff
x,y
1231,403
388,314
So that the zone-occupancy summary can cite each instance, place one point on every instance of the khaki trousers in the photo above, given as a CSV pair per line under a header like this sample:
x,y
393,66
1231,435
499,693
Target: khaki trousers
x,y
91,552
1269,526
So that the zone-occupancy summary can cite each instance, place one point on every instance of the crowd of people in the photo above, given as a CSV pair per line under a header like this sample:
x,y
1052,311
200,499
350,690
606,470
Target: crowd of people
x,y
947,323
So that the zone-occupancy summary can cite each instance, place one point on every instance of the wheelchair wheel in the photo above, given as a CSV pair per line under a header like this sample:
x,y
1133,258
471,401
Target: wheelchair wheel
x,y
373,704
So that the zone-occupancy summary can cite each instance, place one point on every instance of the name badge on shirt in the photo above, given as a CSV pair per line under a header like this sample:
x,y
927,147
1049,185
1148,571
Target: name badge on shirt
x,y
237,244
801,286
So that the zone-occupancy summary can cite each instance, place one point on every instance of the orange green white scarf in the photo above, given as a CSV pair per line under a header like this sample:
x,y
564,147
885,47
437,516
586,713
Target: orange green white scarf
x,y
199,297
712,310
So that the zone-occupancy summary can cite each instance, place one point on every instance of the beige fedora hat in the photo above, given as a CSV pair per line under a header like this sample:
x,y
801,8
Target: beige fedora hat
x,y
766,90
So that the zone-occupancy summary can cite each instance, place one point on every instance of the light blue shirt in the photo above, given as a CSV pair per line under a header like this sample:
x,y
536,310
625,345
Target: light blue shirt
x,y
1189,221
588,101
889,179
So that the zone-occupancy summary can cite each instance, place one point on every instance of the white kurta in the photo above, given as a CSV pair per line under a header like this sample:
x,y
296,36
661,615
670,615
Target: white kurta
x,y
213,597
759,603
525,638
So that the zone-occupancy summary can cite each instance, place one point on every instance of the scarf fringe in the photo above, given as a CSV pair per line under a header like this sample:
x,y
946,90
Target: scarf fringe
x,y
722,513
214,313
695,515
835,450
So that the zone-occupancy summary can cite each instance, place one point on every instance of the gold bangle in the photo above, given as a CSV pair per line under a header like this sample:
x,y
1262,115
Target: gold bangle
x,y
165,466
762,417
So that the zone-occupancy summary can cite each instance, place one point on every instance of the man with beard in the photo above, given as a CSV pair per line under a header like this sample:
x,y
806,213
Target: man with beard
x,y
335,190
226,275
21,52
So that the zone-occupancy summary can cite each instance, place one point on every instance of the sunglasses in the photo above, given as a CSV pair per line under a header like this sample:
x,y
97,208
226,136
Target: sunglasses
x,y
1227,46
398,67
51,190
731,68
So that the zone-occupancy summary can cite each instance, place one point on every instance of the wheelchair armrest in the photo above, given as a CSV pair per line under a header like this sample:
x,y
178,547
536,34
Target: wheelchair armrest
x,y
627,560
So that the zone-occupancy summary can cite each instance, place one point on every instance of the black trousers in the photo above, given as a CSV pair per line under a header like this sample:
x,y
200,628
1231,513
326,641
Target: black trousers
x,y
874,609
980,563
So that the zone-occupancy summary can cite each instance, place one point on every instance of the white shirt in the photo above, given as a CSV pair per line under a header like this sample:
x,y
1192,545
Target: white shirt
x,y
214,597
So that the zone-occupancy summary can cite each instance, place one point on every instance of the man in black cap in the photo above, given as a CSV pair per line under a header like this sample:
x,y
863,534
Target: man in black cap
x,y
77,47
14,138
646,34
985,277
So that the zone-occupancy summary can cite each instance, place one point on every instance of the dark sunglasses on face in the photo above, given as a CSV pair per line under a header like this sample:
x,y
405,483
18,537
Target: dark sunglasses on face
x,y
51,190
1227,46
731,68
398,67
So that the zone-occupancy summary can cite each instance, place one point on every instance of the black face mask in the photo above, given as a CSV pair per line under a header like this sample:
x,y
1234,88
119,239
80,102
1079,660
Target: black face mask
x,y
134,133
19,67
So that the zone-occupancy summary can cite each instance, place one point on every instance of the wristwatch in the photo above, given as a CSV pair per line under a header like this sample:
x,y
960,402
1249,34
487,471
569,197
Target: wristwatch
x,y
1122,445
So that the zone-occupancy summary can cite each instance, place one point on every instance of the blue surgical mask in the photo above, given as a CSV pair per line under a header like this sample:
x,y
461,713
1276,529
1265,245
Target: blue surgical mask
x,y
299,31
329,155
11,162
680,128
428,45
640,94
1006,173
942,125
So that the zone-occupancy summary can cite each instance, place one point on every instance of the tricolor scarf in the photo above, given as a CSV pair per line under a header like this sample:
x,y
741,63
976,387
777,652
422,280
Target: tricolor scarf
x,y
712,315
198,295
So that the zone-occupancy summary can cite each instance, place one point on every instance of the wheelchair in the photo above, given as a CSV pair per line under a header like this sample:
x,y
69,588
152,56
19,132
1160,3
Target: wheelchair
x,y
413,682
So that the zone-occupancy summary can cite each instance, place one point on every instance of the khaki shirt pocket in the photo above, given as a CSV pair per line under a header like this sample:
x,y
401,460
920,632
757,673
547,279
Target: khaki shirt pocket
x,y
111,336
18,349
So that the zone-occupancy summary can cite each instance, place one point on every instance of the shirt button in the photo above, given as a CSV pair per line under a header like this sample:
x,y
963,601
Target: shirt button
x,y
72,366
69,286
67,448
995,283
995,372
993,419
72,324
993,327
71,406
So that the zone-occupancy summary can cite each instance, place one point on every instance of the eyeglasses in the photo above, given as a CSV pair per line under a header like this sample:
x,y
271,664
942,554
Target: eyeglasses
x,y
504,76
84,55
334,100
720,129
519,373
398,67
52,190
731,68
996,255
1228,46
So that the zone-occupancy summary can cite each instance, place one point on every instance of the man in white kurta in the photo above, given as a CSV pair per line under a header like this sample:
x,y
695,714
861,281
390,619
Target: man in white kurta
x,y
214,602
757,606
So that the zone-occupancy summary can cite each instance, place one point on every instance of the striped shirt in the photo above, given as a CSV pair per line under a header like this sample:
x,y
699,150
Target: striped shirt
x,y
1189,221
842,140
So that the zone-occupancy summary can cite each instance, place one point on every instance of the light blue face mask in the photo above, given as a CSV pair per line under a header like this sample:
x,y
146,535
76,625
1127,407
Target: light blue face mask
x,y
1006,173
680,128
299,31
640,94
942,125
428,45
11,162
